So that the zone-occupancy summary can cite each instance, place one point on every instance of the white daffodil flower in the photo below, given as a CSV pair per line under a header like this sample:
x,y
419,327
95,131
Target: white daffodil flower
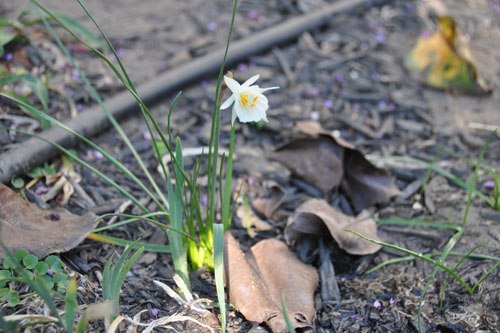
x,y
250,104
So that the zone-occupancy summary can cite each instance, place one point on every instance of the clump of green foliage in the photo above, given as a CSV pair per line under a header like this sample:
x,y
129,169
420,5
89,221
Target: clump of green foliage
x,y
49,271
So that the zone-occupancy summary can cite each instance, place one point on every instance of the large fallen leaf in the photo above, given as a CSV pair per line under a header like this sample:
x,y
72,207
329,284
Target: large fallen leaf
x,y
41,232
325,162
316,160
317,217
256,281
364,183
437,61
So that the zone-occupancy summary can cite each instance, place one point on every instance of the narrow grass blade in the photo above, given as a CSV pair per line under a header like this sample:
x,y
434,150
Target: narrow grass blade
x,y
37,87
179,251
215,130
467,256
116,271
248,224
132,218
74,24
82,324
389,262
98,99
485,275
469,161
123,273
122,242
415,254
219,270
431,255
431,167
144,218
418,223
443,173
70,306
127,84
9,325
496,192
79,29
291,329
455,238
106,279
80,161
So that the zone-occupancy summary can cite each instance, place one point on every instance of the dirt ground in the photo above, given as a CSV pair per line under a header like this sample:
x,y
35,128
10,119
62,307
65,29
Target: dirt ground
x,y
348,75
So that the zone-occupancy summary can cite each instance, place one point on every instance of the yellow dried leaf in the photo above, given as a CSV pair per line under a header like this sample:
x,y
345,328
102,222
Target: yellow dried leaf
x,y
435,60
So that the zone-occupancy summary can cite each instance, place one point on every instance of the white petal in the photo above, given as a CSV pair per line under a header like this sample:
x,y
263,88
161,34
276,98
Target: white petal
x,y
251,80
262,102
266,89
227,103
232,84
240,112
256,113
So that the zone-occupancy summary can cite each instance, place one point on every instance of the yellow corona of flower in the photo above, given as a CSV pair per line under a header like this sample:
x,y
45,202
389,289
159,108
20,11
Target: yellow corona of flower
x,y
250,104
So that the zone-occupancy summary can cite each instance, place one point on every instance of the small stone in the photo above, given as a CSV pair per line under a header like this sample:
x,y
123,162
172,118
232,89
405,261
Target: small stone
x,y
417,206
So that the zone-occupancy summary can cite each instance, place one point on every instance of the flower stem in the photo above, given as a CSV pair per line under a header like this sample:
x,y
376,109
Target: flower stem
x,y
226,219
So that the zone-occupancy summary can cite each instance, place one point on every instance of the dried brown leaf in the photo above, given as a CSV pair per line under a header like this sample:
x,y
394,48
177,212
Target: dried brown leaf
x,y
41,232
316,217
316,160
251,218
309,127
268,206
257,279
364,183
325,162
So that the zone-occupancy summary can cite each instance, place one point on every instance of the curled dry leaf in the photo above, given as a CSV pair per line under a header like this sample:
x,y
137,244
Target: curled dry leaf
x,y
268,206
364,183
41,232
317,217
248,217
257,279
316,160
326,162
441,62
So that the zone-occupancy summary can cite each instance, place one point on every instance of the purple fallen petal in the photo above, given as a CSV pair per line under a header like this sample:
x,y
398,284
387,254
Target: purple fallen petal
x,y
242,68
328,104
254,15
212,26
312,92
489,185
98,154
380,37
41,190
